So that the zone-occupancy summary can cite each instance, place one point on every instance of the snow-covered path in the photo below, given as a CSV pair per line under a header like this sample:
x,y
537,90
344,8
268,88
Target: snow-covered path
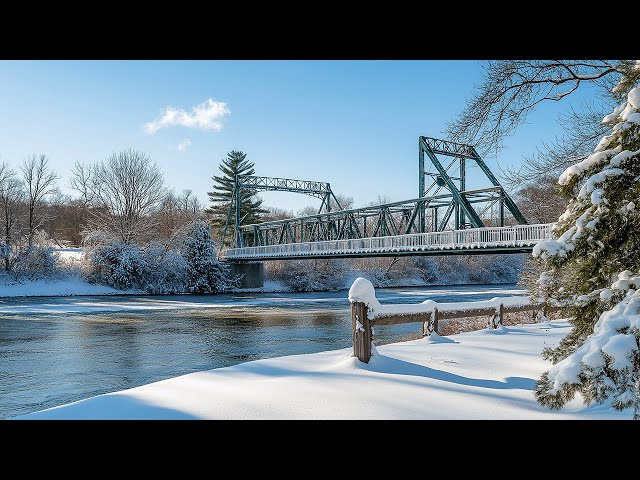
x,y
477,375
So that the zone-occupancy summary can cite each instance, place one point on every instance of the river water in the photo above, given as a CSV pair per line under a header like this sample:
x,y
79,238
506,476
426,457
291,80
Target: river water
x,y
56,350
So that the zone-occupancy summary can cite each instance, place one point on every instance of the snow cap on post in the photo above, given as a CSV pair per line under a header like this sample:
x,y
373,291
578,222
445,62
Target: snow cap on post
x,y
362,291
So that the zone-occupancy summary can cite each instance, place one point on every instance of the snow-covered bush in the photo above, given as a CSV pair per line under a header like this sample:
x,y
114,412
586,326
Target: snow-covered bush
x,y
155,268
325,274
6,255
495,268
205,274
592,270
453,269
379,277
311,275
34,263
167,270
427,269
119,265
152,269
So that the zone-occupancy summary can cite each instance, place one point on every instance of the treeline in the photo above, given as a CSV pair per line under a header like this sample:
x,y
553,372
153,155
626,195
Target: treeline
x,y
139,207
136,232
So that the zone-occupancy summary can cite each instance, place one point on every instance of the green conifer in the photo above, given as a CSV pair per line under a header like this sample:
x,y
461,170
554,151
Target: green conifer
x,y
592,270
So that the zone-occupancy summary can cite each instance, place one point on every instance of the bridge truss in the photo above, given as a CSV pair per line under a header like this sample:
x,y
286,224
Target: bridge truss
x,y
445,176
319,190
443,203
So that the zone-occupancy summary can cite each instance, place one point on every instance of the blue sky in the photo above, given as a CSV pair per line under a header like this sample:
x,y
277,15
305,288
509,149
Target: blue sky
x,y
352,123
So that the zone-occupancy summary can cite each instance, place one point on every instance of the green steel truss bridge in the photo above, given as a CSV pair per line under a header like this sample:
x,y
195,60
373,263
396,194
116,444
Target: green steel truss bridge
x,y
446,218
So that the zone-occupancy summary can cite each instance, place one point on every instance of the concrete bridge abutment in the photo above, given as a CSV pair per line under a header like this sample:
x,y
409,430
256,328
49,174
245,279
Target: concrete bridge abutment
x,y
252,273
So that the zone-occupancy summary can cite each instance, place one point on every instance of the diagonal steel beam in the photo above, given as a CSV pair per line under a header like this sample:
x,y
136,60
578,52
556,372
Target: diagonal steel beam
x,y
510,204
476,221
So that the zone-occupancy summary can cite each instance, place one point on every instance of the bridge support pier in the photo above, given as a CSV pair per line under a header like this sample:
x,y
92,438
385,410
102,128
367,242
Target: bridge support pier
x,y
252,273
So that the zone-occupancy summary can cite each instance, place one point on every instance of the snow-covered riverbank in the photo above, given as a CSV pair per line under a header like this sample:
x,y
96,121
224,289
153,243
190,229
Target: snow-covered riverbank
x,y
76,285
489,374
71,285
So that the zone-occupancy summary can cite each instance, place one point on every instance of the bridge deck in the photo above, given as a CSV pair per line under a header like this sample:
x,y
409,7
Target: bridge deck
x,y
515,239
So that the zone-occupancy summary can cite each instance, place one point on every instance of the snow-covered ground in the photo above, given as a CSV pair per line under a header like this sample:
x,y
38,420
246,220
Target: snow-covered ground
x,y
71,284
69,254
488,374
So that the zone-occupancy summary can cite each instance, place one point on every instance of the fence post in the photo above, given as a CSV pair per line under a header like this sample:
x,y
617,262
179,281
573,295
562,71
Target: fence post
x,y
436,320
361,331
496,321
545,311
431,324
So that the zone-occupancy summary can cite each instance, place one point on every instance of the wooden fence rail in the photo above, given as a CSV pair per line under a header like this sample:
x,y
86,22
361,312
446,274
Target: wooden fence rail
x,y
362,325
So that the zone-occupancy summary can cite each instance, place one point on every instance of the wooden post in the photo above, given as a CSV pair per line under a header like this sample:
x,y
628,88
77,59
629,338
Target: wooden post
x,y
496,321
431,323
361,331
436,319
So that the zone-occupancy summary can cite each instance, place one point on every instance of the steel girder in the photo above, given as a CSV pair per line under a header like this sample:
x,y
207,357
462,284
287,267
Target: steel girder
x,y
307,187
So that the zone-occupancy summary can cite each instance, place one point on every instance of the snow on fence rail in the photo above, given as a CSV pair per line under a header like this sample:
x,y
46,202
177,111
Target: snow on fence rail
x,y
487,237
367,312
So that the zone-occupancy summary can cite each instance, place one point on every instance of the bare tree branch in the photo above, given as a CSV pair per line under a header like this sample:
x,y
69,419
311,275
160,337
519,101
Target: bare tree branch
x,y
81,181
513,88
581,130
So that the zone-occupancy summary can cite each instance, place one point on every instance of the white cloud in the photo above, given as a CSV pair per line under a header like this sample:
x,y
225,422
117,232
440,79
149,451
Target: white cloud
x,y
206,116
183,145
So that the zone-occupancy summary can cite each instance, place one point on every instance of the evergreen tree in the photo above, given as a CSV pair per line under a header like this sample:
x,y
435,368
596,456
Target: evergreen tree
x,y
250,205
592,271
205,273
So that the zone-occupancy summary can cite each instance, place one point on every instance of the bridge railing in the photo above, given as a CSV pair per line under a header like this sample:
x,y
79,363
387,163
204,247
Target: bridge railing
x,y
516,236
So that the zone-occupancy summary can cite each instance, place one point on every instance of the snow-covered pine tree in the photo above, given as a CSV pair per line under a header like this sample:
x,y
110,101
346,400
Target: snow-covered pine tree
x,y
205,273
592,270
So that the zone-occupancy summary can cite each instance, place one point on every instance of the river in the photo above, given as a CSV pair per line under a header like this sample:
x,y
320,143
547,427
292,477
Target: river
x,y
56,350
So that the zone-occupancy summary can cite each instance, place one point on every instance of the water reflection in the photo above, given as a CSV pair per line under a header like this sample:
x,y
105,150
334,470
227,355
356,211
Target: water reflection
x,y
58,350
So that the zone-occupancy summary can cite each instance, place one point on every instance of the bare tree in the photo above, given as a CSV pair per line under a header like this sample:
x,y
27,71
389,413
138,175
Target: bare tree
x,y
39,182
66,219
307,211
82,181
541,201
189,204
125,189
512,89
381,199
10,202
177,211
275,213
344,201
